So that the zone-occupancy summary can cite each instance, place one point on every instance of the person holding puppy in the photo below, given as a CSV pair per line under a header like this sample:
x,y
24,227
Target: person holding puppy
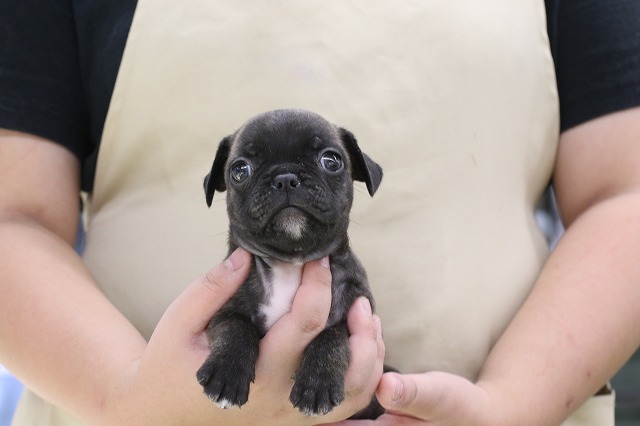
x,y
458,103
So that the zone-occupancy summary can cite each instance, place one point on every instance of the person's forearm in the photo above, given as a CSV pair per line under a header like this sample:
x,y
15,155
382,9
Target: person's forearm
x,y
580,323
58,332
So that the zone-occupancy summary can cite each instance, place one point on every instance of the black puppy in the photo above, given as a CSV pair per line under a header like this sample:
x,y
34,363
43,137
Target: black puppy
x,y
289,181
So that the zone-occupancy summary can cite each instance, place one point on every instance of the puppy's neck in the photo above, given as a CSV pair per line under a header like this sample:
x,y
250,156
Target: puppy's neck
x,y
272,263
271,255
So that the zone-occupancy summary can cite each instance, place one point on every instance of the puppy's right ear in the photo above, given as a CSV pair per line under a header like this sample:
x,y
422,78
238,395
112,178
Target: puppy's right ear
x,y
214,181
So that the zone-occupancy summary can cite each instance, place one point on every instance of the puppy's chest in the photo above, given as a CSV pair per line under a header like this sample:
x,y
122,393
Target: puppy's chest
x,y
281,283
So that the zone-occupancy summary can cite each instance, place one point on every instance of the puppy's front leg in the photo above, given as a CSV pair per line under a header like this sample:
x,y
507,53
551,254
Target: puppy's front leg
x,y
230,368
319,381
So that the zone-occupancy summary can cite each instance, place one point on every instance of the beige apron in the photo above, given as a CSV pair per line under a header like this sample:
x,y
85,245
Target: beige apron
x,y
456,100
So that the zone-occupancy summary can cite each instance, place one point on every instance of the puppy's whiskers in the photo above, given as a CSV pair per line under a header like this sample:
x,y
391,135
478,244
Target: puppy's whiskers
x,y
219,234
356,223
218,200
360,190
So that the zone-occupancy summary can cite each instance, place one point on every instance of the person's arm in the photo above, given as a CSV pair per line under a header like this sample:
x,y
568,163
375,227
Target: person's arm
x,y
580,323
63,338
54,322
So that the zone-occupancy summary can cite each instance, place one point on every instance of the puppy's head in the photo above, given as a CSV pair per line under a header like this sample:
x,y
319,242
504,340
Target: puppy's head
x,y
289,181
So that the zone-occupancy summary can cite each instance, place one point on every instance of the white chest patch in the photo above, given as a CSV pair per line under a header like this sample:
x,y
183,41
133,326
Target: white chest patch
x,y
285,280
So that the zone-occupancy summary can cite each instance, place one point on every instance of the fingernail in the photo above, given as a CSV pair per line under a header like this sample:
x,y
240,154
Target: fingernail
x,y
324,262
365,305
235,261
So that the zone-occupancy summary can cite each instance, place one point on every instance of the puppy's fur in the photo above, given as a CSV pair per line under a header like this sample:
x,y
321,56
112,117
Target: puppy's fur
x,y
289,181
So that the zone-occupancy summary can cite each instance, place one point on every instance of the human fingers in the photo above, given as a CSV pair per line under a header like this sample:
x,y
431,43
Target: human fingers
x,y
281,348
384,420
366,361
163,388
192,310
441,398
366,347
312,302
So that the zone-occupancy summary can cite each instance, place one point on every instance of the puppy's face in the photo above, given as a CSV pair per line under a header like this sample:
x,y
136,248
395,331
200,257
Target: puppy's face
x,y
288,176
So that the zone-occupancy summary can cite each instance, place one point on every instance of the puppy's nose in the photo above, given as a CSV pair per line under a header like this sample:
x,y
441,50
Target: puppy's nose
x,y
286,182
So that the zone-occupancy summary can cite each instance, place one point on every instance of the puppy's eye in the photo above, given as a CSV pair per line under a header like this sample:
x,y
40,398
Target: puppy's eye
x,y
331,161
240,171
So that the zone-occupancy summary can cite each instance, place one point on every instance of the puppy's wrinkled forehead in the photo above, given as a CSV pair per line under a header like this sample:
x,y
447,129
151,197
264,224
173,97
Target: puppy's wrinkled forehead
x,y
284,133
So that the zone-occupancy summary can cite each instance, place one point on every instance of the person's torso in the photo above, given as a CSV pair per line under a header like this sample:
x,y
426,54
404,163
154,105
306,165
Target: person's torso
x,y
457,103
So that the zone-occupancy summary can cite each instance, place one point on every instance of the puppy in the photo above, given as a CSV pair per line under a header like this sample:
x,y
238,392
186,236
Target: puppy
x,y
289,181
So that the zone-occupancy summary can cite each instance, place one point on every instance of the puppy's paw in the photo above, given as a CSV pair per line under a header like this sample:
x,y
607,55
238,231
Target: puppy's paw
x,y
226,381
316,394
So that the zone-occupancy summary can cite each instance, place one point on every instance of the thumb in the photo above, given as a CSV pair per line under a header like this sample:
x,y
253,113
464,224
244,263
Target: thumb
x,y
432,396
192,310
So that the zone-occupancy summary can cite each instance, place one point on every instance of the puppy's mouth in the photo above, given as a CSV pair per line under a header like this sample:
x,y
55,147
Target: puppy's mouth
x,y
290,234
291,221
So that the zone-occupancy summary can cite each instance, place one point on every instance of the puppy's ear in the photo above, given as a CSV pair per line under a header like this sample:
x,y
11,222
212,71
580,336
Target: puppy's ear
x,y
214,181
363,168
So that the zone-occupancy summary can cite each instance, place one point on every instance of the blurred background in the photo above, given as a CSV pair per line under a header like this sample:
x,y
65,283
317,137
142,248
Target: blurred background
x,y
627,386
10,389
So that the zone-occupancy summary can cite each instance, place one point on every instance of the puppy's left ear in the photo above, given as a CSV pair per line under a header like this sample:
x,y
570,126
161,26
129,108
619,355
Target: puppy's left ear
x,y
214,181
363,168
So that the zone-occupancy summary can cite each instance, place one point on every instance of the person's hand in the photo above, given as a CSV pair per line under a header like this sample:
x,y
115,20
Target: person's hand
x,y
162,388
433,398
